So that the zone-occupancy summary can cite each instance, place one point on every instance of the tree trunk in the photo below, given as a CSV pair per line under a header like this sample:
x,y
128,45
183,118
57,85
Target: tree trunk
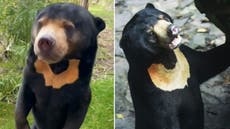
x,y
84,3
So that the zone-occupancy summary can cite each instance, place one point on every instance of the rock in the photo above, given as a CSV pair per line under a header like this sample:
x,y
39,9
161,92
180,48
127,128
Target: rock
x,y
219,41
129,99
212,82
131,3
126,123
215,40
122,17
120,2
185,3
220,38
118,50
216,98
167,5
214,30
135,9
121,103
198,40
190,10
181,22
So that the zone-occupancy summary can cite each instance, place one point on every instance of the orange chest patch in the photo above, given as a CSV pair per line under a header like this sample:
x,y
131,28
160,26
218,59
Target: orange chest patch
x,y
171,79
70,75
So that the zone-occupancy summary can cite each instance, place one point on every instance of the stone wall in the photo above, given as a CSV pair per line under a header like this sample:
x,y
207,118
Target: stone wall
x,y
198,33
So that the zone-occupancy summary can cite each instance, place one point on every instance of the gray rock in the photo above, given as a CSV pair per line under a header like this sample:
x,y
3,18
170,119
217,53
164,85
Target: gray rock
x,y
129,99
135,9
126,123
137,2
198,40
190,10
121,19
166,5
185,3
214,30
119,2
118,50
181,22
121,103
220,40
216,98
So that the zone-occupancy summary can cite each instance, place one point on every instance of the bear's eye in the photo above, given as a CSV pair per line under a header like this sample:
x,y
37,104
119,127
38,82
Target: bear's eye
x,y
42,21
160,17
152,38
78,24
68,25
39,25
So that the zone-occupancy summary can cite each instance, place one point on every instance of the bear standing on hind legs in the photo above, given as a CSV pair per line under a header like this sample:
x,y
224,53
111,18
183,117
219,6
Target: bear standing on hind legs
x,y
59,67
164,78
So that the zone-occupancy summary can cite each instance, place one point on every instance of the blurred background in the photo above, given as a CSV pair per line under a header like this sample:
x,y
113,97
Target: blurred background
x,y
198,33
16,18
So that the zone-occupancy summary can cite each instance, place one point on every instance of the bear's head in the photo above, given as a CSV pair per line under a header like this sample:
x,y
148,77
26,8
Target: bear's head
x,y
150,37
64,31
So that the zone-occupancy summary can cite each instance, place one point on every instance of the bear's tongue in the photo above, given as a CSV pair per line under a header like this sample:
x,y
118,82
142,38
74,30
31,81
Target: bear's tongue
x,y
175,42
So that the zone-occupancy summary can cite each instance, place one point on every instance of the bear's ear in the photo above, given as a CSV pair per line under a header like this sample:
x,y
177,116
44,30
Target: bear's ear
x,y
100,24
150,6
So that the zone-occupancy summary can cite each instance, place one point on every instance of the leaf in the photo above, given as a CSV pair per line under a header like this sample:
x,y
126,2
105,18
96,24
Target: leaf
x,y
202,30
120,116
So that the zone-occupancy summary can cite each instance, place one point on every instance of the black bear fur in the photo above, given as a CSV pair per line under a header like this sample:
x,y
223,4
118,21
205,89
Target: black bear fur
x,y
65,107
155,108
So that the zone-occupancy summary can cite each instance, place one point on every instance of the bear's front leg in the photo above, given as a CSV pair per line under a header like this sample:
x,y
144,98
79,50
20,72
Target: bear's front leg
x,y
77,112
24,104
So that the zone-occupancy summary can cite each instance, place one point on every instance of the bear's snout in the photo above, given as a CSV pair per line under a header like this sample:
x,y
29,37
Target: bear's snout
x,y
46,43
173,31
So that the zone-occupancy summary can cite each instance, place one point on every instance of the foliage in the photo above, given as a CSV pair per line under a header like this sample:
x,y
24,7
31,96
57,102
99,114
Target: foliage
x,y
15,27
17,18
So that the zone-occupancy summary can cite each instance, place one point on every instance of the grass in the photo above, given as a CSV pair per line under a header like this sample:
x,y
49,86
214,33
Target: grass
x,y
100,113
6,116
99,116
107,15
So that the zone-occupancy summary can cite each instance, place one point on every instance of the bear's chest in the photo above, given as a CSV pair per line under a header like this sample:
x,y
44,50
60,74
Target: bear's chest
x,y
56,81
170,79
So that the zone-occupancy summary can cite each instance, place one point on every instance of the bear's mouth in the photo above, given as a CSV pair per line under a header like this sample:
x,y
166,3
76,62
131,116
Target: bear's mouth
x,y
173,33
167,34
175,42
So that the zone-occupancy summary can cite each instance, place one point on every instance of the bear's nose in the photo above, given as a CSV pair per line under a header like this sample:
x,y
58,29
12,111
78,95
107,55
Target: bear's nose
x,y
46,43
173,31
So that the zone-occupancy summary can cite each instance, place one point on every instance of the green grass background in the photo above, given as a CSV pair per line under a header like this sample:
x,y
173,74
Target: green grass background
x,y
15,25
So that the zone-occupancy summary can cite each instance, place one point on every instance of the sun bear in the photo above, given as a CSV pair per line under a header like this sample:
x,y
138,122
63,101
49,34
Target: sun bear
x,y
164,76
59,67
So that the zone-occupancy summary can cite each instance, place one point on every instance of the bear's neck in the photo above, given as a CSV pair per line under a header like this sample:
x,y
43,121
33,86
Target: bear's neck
x,y
170,79
68,76
59,67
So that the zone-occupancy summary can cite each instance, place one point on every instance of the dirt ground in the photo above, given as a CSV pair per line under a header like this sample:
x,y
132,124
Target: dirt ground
x,y
105,58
